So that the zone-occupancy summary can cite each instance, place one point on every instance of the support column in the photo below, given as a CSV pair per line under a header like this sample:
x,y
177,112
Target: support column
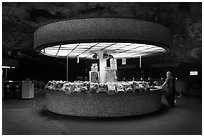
x,y
67,67
102,64
140,61
102,67
6,72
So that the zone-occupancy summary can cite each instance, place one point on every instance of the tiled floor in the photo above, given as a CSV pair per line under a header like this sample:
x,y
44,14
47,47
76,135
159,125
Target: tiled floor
x,y
31,118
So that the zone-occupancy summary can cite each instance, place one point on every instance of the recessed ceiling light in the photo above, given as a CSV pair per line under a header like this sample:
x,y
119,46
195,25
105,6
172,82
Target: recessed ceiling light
x,y
119,50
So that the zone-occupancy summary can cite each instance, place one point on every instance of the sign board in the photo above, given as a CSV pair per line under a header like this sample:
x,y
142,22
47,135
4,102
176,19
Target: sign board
x,y
77,59
94,76
123,61
111,75
113,64
94,67
194,73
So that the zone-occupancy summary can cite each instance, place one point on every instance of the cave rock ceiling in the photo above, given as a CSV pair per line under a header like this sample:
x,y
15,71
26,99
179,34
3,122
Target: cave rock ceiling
x,y
20,20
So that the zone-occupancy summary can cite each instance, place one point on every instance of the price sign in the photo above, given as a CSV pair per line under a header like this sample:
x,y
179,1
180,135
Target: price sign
x,y
123,61
113,64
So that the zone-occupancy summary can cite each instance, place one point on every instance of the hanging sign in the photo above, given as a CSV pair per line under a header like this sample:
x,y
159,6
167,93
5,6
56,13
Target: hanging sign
x,y
94,76
67,68
123,61
94,67
193,72
77,59
113,64
140,61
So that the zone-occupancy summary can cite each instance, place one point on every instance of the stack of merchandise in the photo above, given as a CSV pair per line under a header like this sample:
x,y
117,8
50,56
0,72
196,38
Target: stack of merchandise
x,y
102,88
90,87
111,87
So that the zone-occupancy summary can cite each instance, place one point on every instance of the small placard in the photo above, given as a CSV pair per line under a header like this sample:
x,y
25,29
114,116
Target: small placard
x,y
113,64
94,67
77,59
194,73
123,61
94,76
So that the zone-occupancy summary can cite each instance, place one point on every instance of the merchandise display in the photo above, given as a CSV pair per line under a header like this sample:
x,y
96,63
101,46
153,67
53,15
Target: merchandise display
x,y
112,99
90,87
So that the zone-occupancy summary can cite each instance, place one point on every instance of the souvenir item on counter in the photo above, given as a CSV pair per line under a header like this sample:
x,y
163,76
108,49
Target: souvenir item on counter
x,y
128,88
72,87
102,88
84,89
111,87
135,86
86,84
59,86
66,88
81,86
93,87
76,89
90,87
141,87
51,85
77,86
119,87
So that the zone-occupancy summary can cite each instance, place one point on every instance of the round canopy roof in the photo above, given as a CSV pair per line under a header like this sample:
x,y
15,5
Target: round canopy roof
x,y
122,37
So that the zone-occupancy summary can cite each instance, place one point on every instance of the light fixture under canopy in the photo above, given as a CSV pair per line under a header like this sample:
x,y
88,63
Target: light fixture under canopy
x,y
117,50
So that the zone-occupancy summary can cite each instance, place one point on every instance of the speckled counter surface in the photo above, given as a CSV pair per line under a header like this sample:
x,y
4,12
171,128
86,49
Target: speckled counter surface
x,y
103,105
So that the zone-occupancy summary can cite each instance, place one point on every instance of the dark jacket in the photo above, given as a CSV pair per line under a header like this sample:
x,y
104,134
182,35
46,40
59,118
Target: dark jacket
x,y
170,82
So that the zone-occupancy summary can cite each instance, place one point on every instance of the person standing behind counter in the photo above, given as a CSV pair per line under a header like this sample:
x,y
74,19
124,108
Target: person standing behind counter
x,y
171,90
150,80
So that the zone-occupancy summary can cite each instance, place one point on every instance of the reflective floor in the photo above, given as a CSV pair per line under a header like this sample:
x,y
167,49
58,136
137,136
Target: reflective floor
x,y
29,117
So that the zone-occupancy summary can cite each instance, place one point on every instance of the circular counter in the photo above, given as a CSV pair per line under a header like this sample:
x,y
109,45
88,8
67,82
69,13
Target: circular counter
x,y
103,105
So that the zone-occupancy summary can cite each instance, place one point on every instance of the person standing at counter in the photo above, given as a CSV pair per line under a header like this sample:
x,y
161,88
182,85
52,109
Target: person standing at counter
x,y
171,90
150,80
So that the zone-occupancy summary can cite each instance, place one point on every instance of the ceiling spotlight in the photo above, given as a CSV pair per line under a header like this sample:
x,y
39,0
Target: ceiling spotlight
x,y
95,56
105,56
110,56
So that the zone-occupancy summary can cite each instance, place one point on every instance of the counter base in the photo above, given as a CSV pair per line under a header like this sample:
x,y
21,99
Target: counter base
x,y
103,105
